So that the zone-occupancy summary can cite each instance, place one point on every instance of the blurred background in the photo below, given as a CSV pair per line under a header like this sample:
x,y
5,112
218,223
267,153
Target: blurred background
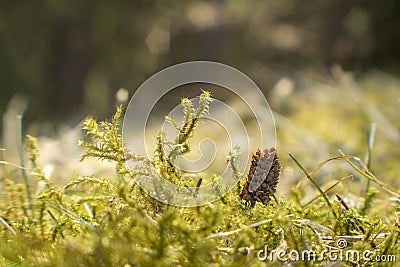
x,y
69,58
63,60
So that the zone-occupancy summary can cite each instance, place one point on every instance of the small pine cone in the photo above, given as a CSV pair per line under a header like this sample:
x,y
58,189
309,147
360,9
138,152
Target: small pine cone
x,y
261,183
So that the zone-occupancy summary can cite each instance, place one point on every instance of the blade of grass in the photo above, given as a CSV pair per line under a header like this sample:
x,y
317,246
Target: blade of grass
x,y
22,163
223,234
320,165
314,184
369,196
367,174
54,219
329,188
73,215
4,165
7,225
316,227
12,164
371,140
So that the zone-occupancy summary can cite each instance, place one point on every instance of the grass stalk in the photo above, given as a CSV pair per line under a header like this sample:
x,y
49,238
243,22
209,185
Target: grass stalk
x,y
315,185
76,217
330,188
22,163
2,221
367,174
55,220
371,141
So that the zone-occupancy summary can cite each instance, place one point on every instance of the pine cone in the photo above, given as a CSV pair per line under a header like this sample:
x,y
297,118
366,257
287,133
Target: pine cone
x,y
261,183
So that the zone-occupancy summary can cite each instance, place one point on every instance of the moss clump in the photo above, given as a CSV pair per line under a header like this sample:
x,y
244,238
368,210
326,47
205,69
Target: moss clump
x,y
99,221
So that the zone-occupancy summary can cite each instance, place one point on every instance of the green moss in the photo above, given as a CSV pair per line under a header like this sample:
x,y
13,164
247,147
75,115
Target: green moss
x,y
99,221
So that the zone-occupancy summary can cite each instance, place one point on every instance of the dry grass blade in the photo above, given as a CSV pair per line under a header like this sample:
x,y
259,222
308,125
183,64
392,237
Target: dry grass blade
x,y
318,228
355,238
316,186
368,174
245,227
330,187
73,215
238,230
12,164
320,165
7,225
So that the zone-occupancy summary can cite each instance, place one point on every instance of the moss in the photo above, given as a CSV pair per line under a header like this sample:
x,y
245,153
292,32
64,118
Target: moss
x,y
99,221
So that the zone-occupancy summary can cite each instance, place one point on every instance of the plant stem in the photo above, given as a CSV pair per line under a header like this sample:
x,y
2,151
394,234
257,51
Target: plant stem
x,y
314,184
371,139
22,163
367,174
